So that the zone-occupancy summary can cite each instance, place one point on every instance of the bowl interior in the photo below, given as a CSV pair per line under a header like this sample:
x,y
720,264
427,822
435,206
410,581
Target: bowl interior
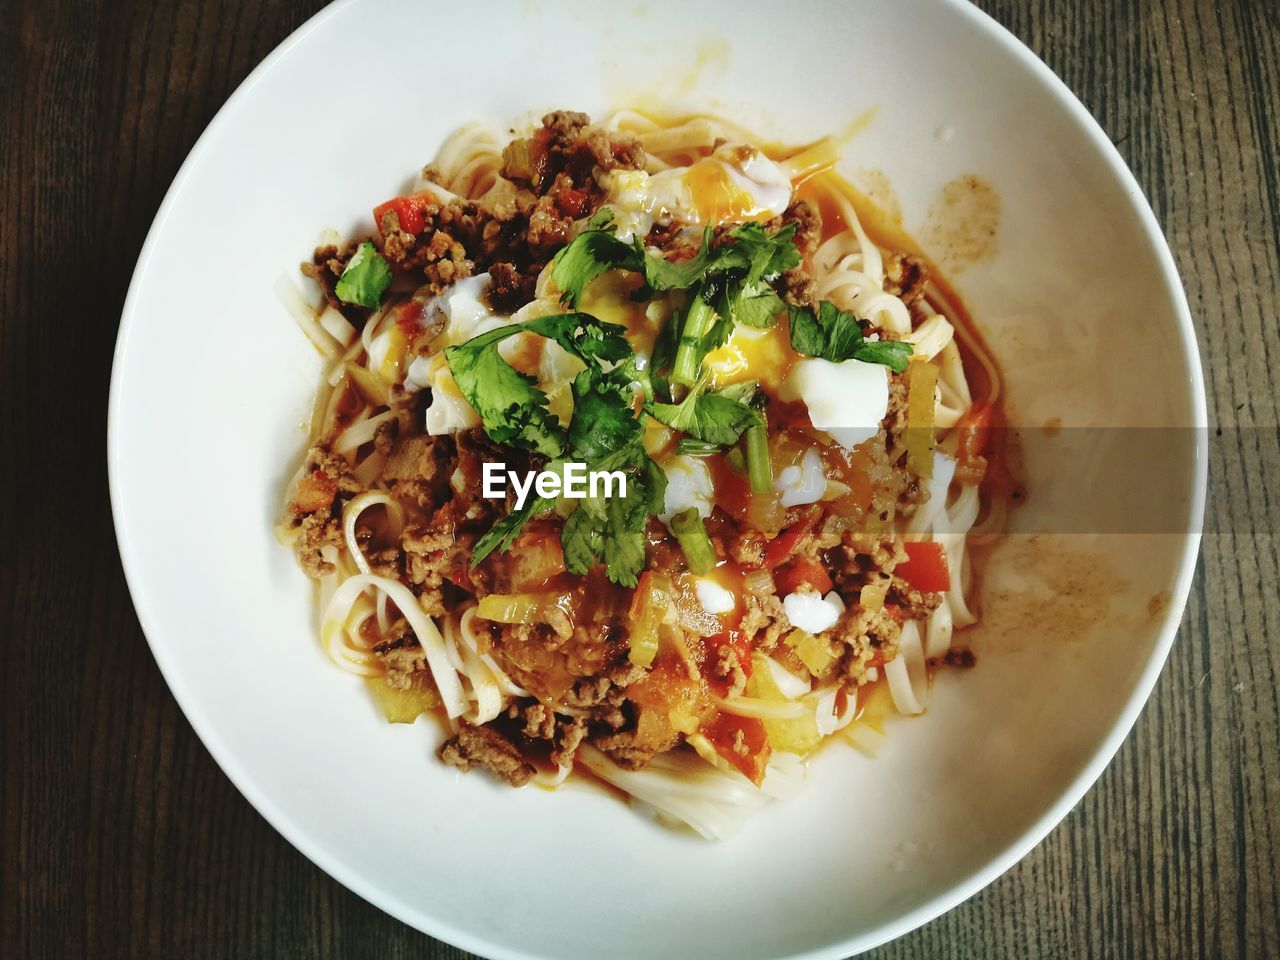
x,y
213,383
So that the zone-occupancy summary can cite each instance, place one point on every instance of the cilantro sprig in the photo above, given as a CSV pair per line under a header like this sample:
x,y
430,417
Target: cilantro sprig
x,y
604,433
833,334
717,419
748,255
726,283
511,407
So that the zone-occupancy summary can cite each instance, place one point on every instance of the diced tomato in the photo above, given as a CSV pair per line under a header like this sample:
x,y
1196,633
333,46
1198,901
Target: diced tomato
x,y
802,571
782,546
572,203
742,741
408,210
733,490
926,566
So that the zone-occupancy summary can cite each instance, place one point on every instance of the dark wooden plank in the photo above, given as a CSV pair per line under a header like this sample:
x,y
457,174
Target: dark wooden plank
x,y
118,834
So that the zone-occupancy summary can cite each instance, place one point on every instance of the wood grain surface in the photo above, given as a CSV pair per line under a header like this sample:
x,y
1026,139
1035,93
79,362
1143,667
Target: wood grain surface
x,y
120,836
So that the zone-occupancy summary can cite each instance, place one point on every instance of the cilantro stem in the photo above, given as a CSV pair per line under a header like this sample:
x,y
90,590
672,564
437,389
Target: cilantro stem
x,y
759,467
693,539
697,321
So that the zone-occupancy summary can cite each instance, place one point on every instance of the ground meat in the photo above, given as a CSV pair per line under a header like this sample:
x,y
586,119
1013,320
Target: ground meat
x,y
504,201
633,749
728,667
540,722
862,556
895,418
565,127
614,151
404,658
484,746
676,241
511,288
549,227
418,469
445,249
763,621
869,637
609,712
906,277
431,553
568,145
569,736
386,561
747,548
512,230
915,604
797,285
587,692
326,266
314,509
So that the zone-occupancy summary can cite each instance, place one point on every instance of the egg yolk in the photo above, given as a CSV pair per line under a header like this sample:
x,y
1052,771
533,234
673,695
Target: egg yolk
x,y
610,297
764,355
717,196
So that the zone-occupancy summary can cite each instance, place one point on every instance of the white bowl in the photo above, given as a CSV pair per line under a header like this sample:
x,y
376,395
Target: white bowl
x,y
212,380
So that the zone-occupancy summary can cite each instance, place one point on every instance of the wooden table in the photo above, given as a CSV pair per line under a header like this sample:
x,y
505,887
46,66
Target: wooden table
x,y
122,838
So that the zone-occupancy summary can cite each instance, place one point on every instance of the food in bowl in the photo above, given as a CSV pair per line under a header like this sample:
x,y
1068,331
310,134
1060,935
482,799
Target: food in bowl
x,y
647,451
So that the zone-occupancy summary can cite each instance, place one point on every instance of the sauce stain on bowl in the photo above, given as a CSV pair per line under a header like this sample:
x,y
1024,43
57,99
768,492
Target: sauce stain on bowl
x,y
1049,591
963,223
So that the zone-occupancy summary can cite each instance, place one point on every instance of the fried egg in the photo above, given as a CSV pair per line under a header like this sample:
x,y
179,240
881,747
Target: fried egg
x,y
733,184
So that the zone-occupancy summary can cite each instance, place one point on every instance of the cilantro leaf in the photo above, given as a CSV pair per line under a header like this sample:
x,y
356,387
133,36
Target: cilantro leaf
x,y
833,334
588,255
663,274
365,279
894,354
655,483
755,304
602,219
767,254
603,421
511,408
753,254
830,333
716,418
586,337
605,434
612,531
582,540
